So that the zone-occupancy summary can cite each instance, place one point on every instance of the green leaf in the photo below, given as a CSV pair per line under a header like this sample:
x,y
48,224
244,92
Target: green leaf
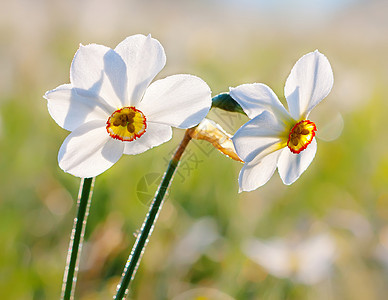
x,y
226,102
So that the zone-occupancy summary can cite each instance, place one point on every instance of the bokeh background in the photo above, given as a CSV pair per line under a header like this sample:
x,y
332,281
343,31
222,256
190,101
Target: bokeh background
x,y
324,237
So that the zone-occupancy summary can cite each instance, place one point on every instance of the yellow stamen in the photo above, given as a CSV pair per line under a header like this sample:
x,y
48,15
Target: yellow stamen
x,y
126,124
131,128
301,135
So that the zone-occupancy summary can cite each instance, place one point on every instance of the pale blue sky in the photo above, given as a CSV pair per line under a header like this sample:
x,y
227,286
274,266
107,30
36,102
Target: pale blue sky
x,y
298,5
294,11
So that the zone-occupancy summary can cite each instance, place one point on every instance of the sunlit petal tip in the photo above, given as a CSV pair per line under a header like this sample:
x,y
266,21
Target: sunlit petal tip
x,y
254,98
291,166
256,173
49,92
70,108
46,95
144,57
245,188
85,47
232,89
80,48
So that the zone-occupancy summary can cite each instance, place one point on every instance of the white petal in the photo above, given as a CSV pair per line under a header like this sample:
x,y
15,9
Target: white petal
x,y
310,81
71,107
257,97
155,135
89,150
144,57
101,71
316,256
259,136
256,173
291,166
273,255
332,128
180,100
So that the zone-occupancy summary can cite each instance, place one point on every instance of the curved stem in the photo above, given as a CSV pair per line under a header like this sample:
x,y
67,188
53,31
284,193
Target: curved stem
x,y
77,237
149,222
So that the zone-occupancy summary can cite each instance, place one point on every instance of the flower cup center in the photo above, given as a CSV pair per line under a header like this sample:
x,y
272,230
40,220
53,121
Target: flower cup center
x,y
301,136
126,124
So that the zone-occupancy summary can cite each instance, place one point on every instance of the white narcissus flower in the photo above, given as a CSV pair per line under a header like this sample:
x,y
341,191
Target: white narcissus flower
x,y
275,137
111,108
308,261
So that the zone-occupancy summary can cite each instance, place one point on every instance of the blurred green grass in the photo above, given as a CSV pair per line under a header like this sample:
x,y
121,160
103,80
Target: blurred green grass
x,y
347,178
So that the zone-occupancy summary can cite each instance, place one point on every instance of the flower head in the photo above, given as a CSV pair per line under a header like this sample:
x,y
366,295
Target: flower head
x,y
306,261
277,138
111,107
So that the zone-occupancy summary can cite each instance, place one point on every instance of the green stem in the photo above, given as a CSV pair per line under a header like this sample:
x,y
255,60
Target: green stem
x,y
149,222
77,237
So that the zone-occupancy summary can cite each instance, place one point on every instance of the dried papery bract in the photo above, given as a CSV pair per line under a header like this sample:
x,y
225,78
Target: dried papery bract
x,y
212,132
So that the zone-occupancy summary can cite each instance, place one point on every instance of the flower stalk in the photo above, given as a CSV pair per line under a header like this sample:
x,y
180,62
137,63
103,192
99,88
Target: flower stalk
x,y
150,220
77,237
